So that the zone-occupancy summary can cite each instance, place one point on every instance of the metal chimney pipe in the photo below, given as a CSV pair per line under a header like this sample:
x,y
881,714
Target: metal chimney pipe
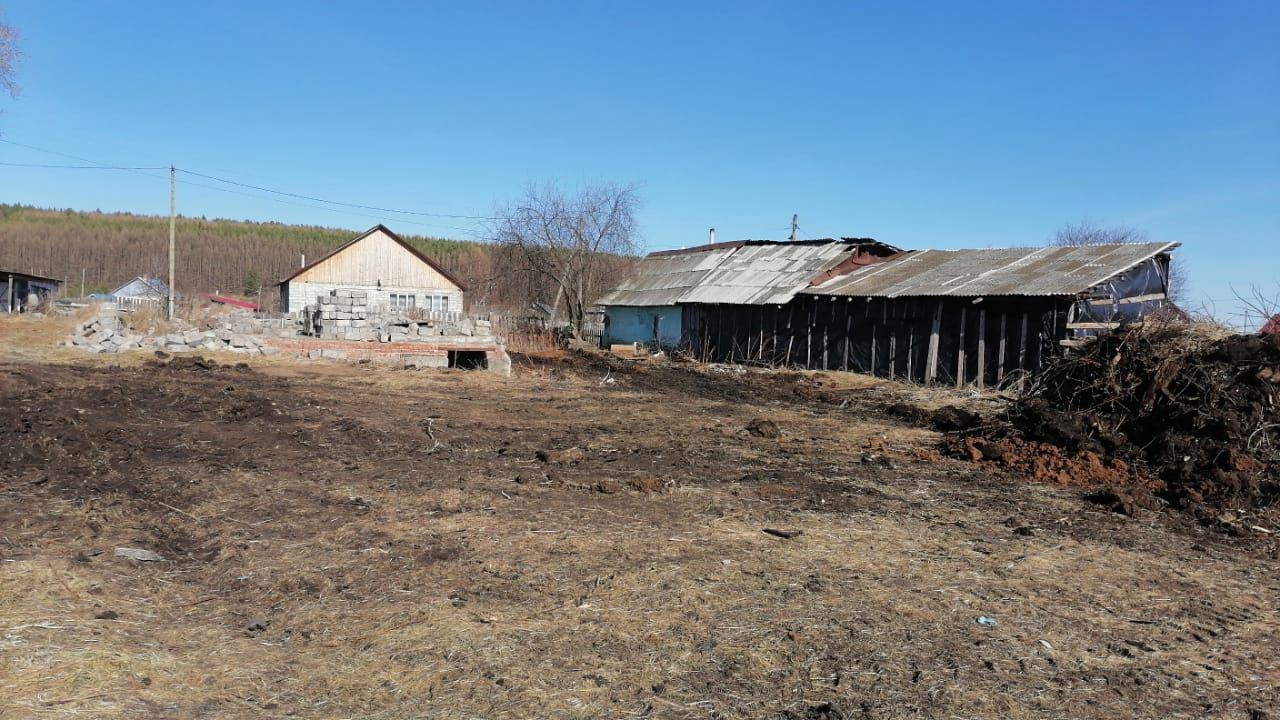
x,y
304,262
711,239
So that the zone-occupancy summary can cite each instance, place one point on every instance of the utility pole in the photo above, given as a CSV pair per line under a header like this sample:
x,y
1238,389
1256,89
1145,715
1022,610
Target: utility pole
x,y
81,283
173,214
795,225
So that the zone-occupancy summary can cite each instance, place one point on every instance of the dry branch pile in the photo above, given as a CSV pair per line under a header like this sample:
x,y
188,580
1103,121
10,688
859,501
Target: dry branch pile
x,y
1194,415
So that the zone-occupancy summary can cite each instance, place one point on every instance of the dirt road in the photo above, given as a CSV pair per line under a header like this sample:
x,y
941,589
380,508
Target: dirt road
x,y
346,541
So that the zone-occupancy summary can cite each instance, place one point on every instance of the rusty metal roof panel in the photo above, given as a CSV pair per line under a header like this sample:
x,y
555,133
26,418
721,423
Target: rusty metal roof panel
x,y
1045,271
767,274
662,278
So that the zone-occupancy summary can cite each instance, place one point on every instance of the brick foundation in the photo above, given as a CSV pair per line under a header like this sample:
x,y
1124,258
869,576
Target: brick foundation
x,y
424,354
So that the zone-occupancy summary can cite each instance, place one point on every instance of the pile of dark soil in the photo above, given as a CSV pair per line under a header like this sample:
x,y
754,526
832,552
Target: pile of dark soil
x,y
1196,418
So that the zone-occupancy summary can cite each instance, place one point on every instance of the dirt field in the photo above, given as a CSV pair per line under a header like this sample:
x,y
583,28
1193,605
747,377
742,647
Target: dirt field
x,y
343,541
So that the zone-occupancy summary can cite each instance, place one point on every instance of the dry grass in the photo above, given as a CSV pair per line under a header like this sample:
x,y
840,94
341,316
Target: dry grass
x,y
475,581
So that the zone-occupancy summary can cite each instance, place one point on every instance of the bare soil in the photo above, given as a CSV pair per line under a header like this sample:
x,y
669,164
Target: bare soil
x,y
585,539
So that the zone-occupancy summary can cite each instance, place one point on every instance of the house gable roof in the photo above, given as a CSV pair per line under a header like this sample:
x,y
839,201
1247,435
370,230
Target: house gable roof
x,y
399,240
146,287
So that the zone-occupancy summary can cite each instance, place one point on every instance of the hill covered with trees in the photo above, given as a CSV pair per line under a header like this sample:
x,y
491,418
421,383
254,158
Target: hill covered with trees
x,y
227,256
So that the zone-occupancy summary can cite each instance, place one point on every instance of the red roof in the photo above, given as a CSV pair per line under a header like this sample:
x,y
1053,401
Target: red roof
x,y
224,300
1272,326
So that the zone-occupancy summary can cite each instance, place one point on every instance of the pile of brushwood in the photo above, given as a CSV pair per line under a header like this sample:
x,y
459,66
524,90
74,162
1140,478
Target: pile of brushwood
x,y
1194,415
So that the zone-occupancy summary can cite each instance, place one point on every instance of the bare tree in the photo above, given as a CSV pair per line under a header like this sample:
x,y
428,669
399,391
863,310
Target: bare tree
x,y
572,241
1087,233
9,56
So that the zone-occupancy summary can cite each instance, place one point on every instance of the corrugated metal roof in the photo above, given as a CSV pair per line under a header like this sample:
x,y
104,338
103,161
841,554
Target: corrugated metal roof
x,y
661,279
766,274
1045,271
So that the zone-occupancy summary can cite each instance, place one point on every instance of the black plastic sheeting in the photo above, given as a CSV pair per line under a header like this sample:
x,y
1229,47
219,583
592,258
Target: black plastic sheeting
x,y
1125,298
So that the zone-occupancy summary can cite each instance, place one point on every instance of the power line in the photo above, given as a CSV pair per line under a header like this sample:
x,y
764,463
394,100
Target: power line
x,y
79,167
96,165
469,231
337,202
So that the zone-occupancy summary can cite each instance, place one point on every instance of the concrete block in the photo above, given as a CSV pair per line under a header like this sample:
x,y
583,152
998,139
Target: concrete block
x,y
342,293
359,323
426,361
498,361
315,354
384,337
268,350
333,354
191,337
174,339
398,337
239,341
179,348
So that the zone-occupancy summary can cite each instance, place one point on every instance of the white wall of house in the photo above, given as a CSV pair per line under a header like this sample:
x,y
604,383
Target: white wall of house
x,y
302,294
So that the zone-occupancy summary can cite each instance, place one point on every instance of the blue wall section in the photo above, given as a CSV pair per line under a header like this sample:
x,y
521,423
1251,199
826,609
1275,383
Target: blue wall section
x,y
635,324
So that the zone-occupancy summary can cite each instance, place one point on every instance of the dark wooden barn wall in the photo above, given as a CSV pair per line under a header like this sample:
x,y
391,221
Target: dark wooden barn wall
x,y
927,340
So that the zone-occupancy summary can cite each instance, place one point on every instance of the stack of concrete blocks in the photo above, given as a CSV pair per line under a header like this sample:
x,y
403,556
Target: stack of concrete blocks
x,y
340,315
216,340
106,333
347,315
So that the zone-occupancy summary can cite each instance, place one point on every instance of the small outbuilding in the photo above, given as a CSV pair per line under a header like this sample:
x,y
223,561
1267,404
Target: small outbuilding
x,y
393,274
24,292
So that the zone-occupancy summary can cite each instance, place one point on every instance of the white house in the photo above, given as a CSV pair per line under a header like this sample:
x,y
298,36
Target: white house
x,y
390,270
142,290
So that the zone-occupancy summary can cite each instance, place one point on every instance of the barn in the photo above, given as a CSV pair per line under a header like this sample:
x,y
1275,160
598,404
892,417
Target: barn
x,y
944,316
393,273
651,304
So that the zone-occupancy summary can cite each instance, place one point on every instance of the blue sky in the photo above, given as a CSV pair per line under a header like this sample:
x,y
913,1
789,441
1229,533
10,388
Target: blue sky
x,y
922,124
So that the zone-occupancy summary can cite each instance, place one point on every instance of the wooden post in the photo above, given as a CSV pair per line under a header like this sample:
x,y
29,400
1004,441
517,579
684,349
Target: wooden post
x,y
1000,362
911,350
982,347
848,332
874,333
964,315
1022,353
931,367
173,214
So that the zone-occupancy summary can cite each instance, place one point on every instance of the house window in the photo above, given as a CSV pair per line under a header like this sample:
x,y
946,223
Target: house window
x,y
444,304
403,302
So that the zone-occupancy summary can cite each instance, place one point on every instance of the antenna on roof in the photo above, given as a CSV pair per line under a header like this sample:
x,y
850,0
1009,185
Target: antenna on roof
x,y
711,237
795,225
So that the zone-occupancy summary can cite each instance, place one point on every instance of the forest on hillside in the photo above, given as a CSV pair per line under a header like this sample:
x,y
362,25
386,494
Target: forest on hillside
x,y
232,257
